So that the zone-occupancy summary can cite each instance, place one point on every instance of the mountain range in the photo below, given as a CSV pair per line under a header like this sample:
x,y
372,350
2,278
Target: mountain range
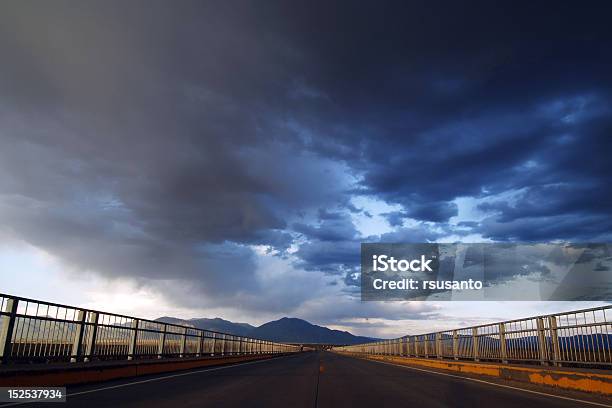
x,y
287,329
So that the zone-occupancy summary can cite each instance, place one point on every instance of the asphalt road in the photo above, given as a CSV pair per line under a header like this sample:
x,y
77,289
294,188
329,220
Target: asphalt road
x,y
305,380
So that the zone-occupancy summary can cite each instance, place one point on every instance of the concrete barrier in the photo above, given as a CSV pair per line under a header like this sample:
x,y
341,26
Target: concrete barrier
x,y
569,379
81,373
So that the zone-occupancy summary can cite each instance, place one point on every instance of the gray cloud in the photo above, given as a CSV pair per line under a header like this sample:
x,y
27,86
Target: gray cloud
x,y
120,158
155,140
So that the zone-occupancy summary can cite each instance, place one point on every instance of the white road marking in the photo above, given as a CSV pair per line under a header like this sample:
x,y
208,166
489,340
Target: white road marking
x,y
494,384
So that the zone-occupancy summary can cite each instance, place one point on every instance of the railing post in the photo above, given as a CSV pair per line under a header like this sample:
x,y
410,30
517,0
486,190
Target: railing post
x,y
162,342
455,345
223,345
199,346
6,330
183,345
91,338
77,343
133,339
475,348
554,338
240,351
438,345
214,338
426,346
542,341
503,352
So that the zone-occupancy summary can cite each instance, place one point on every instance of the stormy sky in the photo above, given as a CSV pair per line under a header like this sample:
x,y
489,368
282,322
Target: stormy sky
x,y
227,158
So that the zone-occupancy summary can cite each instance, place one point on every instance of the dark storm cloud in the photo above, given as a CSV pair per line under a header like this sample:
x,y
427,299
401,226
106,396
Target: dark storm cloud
x,y
343,257
564,191
449,102
432,211
395,218
148,140
331,228
154,139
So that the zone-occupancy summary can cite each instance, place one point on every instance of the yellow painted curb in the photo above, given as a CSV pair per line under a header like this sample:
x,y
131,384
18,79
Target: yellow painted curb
x,y
566,379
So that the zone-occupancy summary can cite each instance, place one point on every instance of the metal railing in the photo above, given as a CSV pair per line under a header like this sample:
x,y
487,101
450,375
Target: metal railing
x,y
575,338
38,331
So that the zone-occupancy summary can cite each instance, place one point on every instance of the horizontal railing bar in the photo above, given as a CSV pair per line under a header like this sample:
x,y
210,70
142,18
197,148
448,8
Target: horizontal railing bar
x,y
571,312
48,318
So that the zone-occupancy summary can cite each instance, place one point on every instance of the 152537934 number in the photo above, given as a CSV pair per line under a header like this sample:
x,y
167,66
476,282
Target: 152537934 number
x,y
37,394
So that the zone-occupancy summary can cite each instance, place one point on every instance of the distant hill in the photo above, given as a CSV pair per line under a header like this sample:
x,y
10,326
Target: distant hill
x,y
290,330
293,330
216,324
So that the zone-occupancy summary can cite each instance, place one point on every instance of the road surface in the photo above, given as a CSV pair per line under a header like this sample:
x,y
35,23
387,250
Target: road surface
x,y
315,379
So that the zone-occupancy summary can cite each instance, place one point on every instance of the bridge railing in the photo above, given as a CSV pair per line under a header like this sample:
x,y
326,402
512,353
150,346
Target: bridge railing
x,y
575,338
38,331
